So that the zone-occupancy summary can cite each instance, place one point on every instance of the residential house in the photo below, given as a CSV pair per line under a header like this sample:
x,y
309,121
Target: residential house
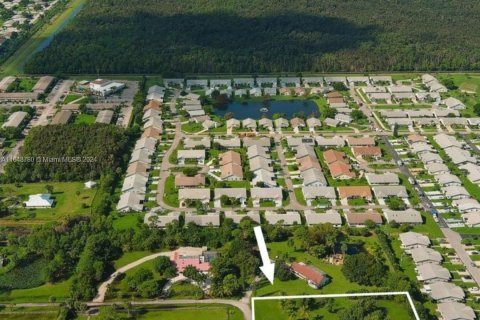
x,y
287,219
201,195
130,201
238,217
211,219
135,183
183,181
153,219
197,155
375,152
424,255
361,142
314,277
383,192
281,123
411,240
250,124
455,311
445,291
313,193
453,103
360,219
387,178
431,273
408,216
41,200
239,194
266,194
349,192
331,216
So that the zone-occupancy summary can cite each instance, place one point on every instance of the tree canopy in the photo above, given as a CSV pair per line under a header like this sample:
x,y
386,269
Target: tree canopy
x,y
213,36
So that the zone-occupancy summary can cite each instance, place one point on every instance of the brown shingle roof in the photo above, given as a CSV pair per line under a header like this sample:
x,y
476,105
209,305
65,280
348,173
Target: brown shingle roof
x,y
361,218
363,141
367,151
334,94
332,156
182,180
339,168
309,273
229,157
308,162
152,104
137,167
231,169
152,133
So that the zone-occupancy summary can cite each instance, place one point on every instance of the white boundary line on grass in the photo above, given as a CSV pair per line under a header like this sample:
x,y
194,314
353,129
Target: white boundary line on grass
x,y
340,295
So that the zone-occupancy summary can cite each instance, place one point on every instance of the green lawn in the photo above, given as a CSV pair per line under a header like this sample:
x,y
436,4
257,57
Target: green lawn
x,y
192,312
294,287
85,118
183,290
171,193
71,97
67,202
14,65
127,221
130,257
60,291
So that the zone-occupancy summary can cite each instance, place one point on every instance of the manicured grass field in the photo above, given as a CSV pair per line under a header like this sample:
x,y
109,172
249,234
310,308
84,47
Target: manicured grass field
x,y
69,197
59,291
71,97
85,118
130,257
14,65
192,312
183,290
128,221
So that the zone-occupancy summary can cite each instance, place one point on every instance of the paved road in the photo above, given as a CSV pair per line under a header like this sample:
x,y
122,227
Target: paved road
x,y
471,144
286,174
102,289
425,201
455,241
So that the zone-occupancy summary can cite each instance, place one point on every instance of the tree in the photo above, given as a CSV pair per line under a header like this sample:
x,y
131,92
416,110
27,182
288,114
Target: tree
x,y
339,86
49,188
230,285
357,115
165,267
364,269
476,109
330,112
194,274
190,171
150,289
282,271
140,276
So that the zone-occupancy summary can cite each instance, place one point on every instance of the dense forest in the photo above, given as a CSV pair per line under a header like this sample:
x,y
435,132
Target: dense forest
x,y
70,153
229,36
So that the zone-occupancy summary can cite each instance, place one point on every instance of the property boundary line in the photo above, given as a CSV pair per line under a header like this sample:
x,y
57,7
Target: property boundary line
x,y
341,295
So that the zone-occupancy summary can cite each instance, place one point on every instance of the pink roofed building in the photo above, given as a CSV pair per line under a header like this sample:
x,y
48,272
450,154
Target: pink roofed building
x,y
199,258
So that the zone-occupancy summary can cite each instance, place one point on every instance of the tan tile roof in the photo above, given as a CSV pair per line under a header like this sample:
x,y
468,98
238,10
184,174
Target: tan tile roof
x,y
354,191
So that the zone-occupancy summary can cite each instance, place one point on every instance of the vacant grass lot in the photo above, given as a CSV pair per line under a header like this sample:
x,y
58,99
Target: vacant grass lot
x,y
85,118
272,310
59,291
71,198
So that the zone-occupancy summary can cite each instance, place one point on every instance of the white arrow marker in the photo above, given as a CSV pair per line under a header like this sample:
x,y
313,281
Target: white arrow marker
x,y
268,267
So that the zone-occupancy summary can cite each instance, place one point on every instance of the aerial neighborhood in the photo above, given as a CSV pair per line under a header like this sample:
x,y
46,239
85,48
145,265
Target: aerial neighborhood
x,y
376,157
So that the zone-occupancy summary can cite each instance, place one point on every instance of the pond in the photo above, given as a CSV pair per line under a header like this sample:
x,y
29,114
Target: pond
x,y
251,109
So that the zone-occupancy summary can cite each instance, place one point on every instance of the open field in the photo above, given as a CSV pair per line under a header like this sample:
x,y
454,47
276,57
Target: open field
x,y
272,309
71,198
59,291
